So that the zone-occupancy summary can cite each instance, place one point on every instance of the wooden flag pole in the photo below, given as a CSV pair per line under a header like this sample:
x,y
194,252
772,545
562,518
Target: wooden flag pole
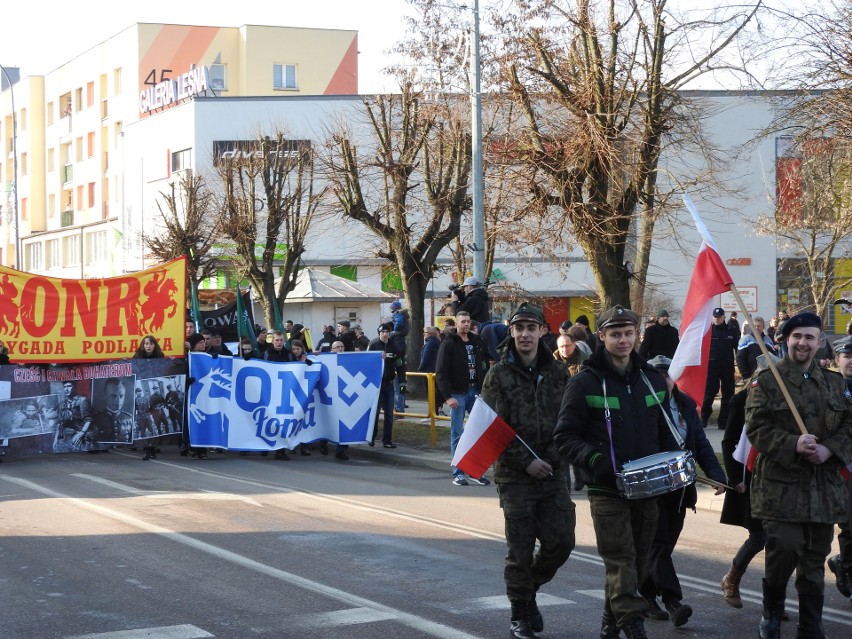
x,y
771,363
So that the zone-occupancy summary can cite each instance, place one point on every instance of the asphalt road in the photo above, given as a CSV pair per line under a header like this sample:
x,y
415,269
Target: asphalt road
x,y
109,547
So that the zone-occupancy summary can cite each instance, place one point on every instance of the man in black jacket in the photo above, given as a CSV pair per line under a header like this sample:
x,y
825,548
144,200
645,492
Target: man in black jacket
x,y
661,338
472,299
611,413
393,368
460,371
720,368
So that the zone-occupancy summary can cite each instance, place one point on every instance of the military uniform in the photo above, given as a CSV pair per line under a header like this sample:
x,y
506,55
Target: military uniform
x,y
110,427
798,501
75,414
528,399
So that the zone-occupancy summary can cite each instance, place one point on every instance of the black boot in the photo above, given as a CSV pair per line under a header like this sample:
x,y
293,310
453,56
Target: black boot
x,y
773,608
534,615
609,629
810,617
520,624
634,627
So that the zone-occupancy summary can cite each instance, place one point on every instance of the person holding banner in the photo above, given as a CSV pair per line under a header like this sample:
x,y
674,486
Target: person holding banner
x,y
797,489
525,389
612,412
393,369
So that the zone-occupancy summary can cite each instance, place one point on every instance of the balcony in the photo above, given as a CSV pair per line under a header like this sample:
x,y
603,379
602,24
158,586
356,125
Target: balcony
x,y
67,173
67,218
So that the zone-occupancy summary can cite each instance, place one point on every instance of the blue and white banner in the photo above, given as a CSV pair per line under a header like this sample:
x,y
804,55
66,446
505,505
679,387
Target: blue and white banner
x,y
258,405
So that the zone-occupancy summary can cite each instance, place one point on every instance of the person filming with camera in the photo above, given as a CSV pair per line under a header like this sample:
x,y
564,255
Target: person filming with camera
x,y
473,298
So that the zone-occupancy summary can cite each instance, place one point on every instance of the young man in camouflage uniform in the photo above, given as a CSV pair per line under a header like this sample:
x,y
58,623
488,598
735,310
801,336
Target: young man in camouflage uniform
x,y
797,489
841,565
609,416
525,388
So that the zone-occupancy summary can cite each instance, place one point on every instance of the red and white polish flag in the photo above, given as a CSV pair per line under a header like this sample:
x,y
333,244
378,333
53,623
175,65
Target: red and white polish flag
x,y
710,278
745,453
483,440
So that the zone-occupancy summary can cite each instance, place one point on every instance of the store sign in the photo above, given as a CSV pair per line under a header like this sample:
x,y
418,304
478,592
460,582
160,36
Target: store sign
x,y
738,261
171,91
246,150
748,295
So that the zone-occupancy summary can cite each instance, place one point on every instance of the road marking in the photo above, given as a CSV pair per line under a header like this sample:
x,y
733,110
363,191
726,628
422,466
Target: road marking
x,y
163,632
426,626
208,495
348,617
500,602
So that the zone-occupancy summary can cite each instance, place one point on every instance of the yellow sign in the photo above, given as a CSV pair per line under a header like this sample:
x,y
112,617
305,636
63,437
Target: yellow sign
x,y
47,319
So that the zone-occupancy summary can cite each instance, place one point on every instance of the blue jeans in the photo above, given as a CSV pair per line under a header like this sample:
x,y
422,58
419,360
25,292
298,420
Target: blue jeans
x,y
399,398
465,401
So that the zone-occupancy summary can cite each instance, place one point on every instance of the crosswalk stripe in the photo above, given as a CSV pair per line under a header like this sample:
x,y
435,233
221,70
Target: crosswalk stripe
x,y
186,631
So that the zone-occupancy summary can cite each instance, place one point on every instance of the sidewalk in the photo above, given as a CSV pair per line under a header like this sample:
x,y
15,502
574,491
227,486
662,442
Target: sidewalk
x,y
439,460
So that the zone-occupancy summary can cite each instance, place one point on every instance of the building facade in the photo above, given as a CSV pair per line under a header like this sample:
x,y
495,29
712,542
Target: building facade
x,y
102,137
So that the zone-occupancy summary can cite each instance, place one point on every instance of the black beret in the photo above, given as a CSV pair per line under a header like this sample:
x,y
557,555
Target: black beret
x,y
805,319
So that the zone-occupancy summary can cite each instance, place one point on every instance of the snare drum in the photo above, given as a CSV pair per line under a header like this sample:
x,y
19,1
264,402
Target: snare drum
x,y
656,474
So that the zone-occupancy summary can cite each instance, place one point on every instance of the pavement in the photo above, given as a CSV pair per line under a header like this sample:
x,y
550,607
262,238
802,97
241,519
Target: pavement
x,y
439,460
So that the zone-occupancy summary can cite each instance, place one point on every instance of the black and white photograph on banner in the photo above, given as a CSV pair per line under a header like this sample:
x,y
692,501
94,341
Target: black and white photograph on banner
x,y
158,405
25,417
75,415
112,405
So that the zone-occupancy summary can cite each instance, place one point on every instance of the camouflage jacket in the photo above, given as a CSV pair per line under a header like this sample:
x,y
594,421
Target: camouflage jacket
x,y
528,400
786,487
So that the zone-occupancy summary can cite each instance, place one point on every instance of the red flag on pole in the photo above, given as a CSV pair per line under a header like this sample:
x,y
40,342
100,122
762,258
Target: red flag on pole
x,y
483,440
709,279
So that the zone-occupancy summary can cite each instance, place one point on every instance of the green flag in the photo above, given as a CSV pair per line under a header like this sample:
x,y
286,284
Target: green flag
x,y
244,325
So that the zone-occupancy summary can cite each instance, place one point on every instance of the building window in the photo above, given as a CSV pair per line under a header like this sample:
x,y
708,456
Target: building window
x,y
51,159
117,129
23,164
22,120
65,105
54,258
80,197
78,99
181,160
347,272
50,114
24,207
78,150
116,82
91,195
90,145
71,250
96,246
284,76
34,257
51,205
90,94
218,77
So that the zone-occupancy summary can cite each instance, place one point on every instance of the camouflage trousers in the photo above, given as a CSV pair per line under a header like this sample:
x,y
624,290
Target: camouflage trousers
x,y
799,546
541,511
624,531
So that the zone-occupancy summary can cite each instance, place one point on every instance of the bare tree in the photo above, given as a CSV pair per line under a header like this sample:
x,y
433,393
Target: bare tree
x,y
598,83
270,200
408,185
188,226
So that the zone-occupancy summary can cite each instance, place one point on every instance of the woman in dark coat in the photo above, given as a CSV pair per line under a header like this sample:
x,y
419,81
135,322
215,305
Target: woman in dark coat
x,y
736,510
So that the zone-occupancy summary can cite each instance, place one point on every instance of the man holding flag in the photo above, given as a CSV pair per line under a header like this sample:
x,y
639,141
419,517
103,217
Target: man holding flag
x,y
797,489
841,565
525,389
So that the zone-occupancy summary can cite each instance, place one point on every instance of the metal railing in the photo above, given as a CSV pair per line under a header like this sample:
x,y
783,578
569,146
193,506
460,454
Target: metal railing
x,y
431,414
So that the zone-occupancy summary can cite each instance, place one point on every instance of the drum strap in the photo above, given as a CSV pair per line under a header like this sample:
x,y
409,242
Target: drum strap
x,y
672,427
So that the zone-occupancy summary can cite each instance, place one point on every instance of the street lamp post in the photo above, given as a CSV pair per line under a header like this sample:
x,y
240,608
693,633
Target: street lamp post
x,y
14,167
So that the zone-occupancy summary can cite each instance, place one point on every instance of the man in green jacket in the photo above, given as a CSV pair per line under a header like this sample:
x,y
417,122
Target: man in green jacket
x,y
797,489
525,389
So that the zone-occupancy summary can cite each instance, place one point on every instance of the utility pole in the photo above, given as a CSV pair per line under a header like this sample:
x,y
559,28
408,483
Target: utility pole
x,y
476,151
14,168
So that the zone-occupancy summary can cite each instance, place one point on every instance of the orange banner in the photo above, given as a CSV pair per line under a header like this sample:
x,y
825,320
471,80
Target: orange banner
x,y
47,319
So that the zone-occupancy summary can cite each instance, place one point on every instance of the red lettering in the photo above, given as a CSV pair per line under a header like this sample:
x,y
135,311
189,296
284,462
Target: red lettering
x,y
121,302
39,292
87,345
86,307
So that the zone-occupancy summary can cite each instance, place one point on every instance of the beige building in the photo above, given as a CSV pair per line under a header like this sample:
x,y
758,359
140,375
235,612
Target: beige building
x,y
63,173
